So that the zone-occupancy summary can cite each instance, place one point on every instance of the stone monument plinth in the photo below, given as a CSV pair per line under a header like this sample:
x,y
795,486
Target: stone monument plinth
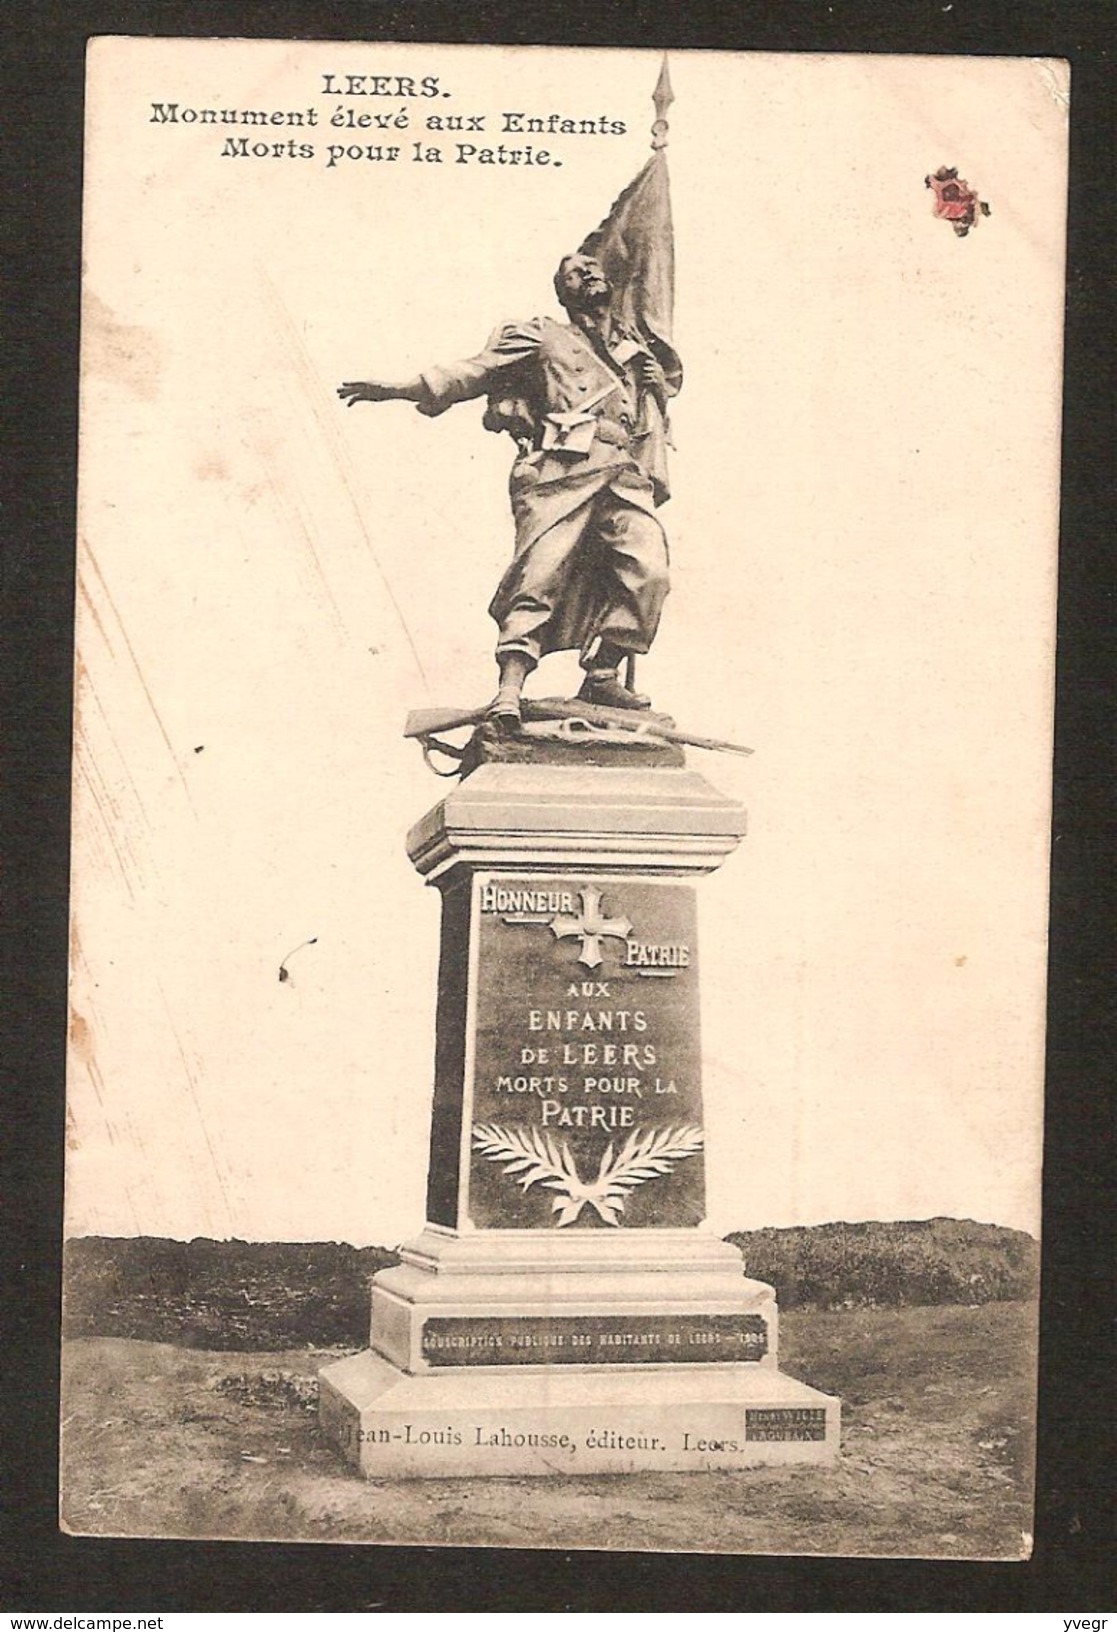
x,y
563,1309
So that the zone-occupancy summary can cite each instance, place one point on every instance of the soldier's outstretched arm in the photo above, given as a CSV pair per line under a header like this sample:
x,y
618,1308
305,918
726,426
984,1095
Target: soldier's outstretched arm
x,y
436,389
380,391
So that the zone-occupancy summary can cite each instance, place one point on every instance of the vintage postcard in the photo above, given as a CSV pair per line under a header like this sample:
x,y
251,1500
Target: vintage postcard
x,y
564,677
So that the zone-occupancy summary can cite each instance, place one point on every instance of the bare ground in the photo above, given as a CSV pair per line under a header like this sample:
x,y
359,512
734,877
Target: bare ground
x,y
936,1456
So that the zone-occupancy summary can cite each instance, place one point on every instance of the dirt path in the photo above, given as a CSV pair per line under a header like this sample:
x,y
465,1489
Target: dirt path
x,y
936,1457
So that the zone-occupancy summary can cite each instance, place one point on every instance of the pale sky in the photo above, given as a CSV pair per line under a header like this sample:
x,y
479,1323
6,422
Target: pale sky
x,y
862,529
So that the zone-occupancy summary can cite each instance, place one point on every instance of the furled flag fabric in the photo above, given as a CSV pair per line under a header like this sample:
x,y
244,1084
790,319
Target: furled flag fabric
x,y
635,245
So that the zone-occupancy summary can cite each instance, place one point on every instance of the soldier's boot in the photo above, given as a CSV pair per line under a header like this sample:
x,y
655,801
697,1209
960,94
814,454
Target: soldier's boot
x,y
504,711
602,684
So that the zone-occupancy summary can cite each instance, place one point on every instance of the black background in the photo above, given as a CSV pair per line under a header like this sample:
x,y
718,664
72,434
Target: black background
x,y
40,155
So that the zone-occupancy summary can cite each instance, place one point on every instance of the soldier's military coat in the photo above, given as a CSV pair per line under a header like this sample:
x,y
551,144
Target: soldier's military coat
x,y
590,554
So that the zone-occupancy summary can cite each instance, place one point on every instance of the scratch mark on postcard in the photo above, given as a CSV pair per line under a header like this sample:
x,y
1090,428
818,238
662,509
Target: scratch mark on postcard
x,y
89,557
336,446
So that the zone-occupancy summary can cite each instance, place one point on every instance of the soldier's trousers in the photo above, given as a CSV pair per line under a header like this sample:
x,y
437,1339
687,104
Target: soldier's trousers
x,y
597,575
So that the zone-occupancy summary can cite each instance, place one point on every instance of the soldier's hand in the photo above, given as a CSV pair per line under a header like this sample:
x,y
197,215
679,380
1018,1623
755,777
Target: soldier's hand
x,y
366,391
651,376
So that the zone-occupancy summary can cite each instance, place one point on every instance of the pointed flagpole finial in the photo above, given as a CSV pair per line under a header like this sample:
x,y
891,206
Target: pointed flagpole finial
x,y
663,96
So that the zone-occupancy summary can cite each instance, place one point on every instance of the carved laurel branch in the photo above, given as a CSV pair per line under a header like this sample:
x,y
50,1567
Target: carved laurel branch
x,y
537,1157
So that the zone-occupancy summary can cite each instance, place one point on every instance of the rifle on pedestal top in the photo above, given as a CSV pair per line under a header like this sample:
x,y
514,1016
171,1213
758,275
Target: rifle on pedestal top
x,y
427,723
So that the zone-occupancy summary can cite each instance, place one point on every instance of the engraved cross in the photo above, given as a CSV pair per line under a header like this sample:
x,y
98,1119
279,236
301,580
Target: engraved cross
x,y
591,926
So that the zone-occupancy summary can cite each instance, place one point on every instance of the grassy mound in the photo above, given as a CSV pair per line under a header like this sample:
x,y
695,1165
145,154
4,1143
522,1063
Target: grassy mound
x,y
931,1261
273,1295
220,1294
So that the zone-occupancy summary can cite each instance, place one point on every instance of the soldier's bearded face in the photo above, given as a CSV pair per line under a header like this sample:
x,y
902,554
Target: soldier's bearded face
x,y
581,284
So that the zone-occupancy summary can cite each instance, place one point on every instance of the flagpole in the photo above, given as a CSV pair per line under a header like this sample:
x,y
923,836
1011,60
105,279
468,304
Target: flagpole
x,y
662,98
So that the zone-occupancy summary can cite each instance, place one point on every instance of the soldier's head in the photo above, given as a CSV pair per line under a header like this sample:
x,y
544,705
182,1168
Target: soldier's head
x,y
581,285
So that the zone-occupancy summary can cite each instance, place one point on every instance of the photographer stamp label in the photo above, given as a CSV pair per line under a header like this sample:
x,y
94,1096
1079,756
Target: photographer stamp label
x,y
785,1422
579,1340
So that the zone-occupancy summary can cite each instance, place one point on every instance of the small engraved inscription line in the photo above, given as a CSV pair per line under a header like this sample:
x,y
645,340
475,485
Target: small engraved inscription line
x,y
457,1340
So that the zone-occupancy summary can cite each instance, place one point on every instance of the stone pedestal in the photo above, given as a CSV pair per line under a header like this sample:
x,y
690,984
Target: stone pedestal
x,y
564,1310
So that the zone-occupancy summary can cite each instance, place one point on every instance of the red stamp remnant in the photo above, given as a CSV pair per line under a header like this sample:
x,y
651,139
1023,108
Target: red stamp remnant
x,y
955,200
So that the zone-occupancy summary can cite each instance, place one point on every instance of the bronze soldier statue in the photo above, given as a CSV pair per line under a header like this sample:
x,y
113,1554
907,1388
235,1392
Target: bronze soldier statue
x,y
586,404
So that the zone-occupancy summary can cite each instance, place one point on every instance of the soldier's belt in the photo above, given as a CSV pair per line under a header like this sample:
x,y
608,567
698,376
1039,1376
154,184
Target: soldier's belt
x,y
572,430
576,433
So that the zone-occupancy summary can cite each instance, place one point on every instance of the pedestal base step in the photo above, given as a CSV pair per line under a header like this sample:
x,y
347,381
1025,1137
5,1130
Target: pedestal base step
x,y
689,1419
